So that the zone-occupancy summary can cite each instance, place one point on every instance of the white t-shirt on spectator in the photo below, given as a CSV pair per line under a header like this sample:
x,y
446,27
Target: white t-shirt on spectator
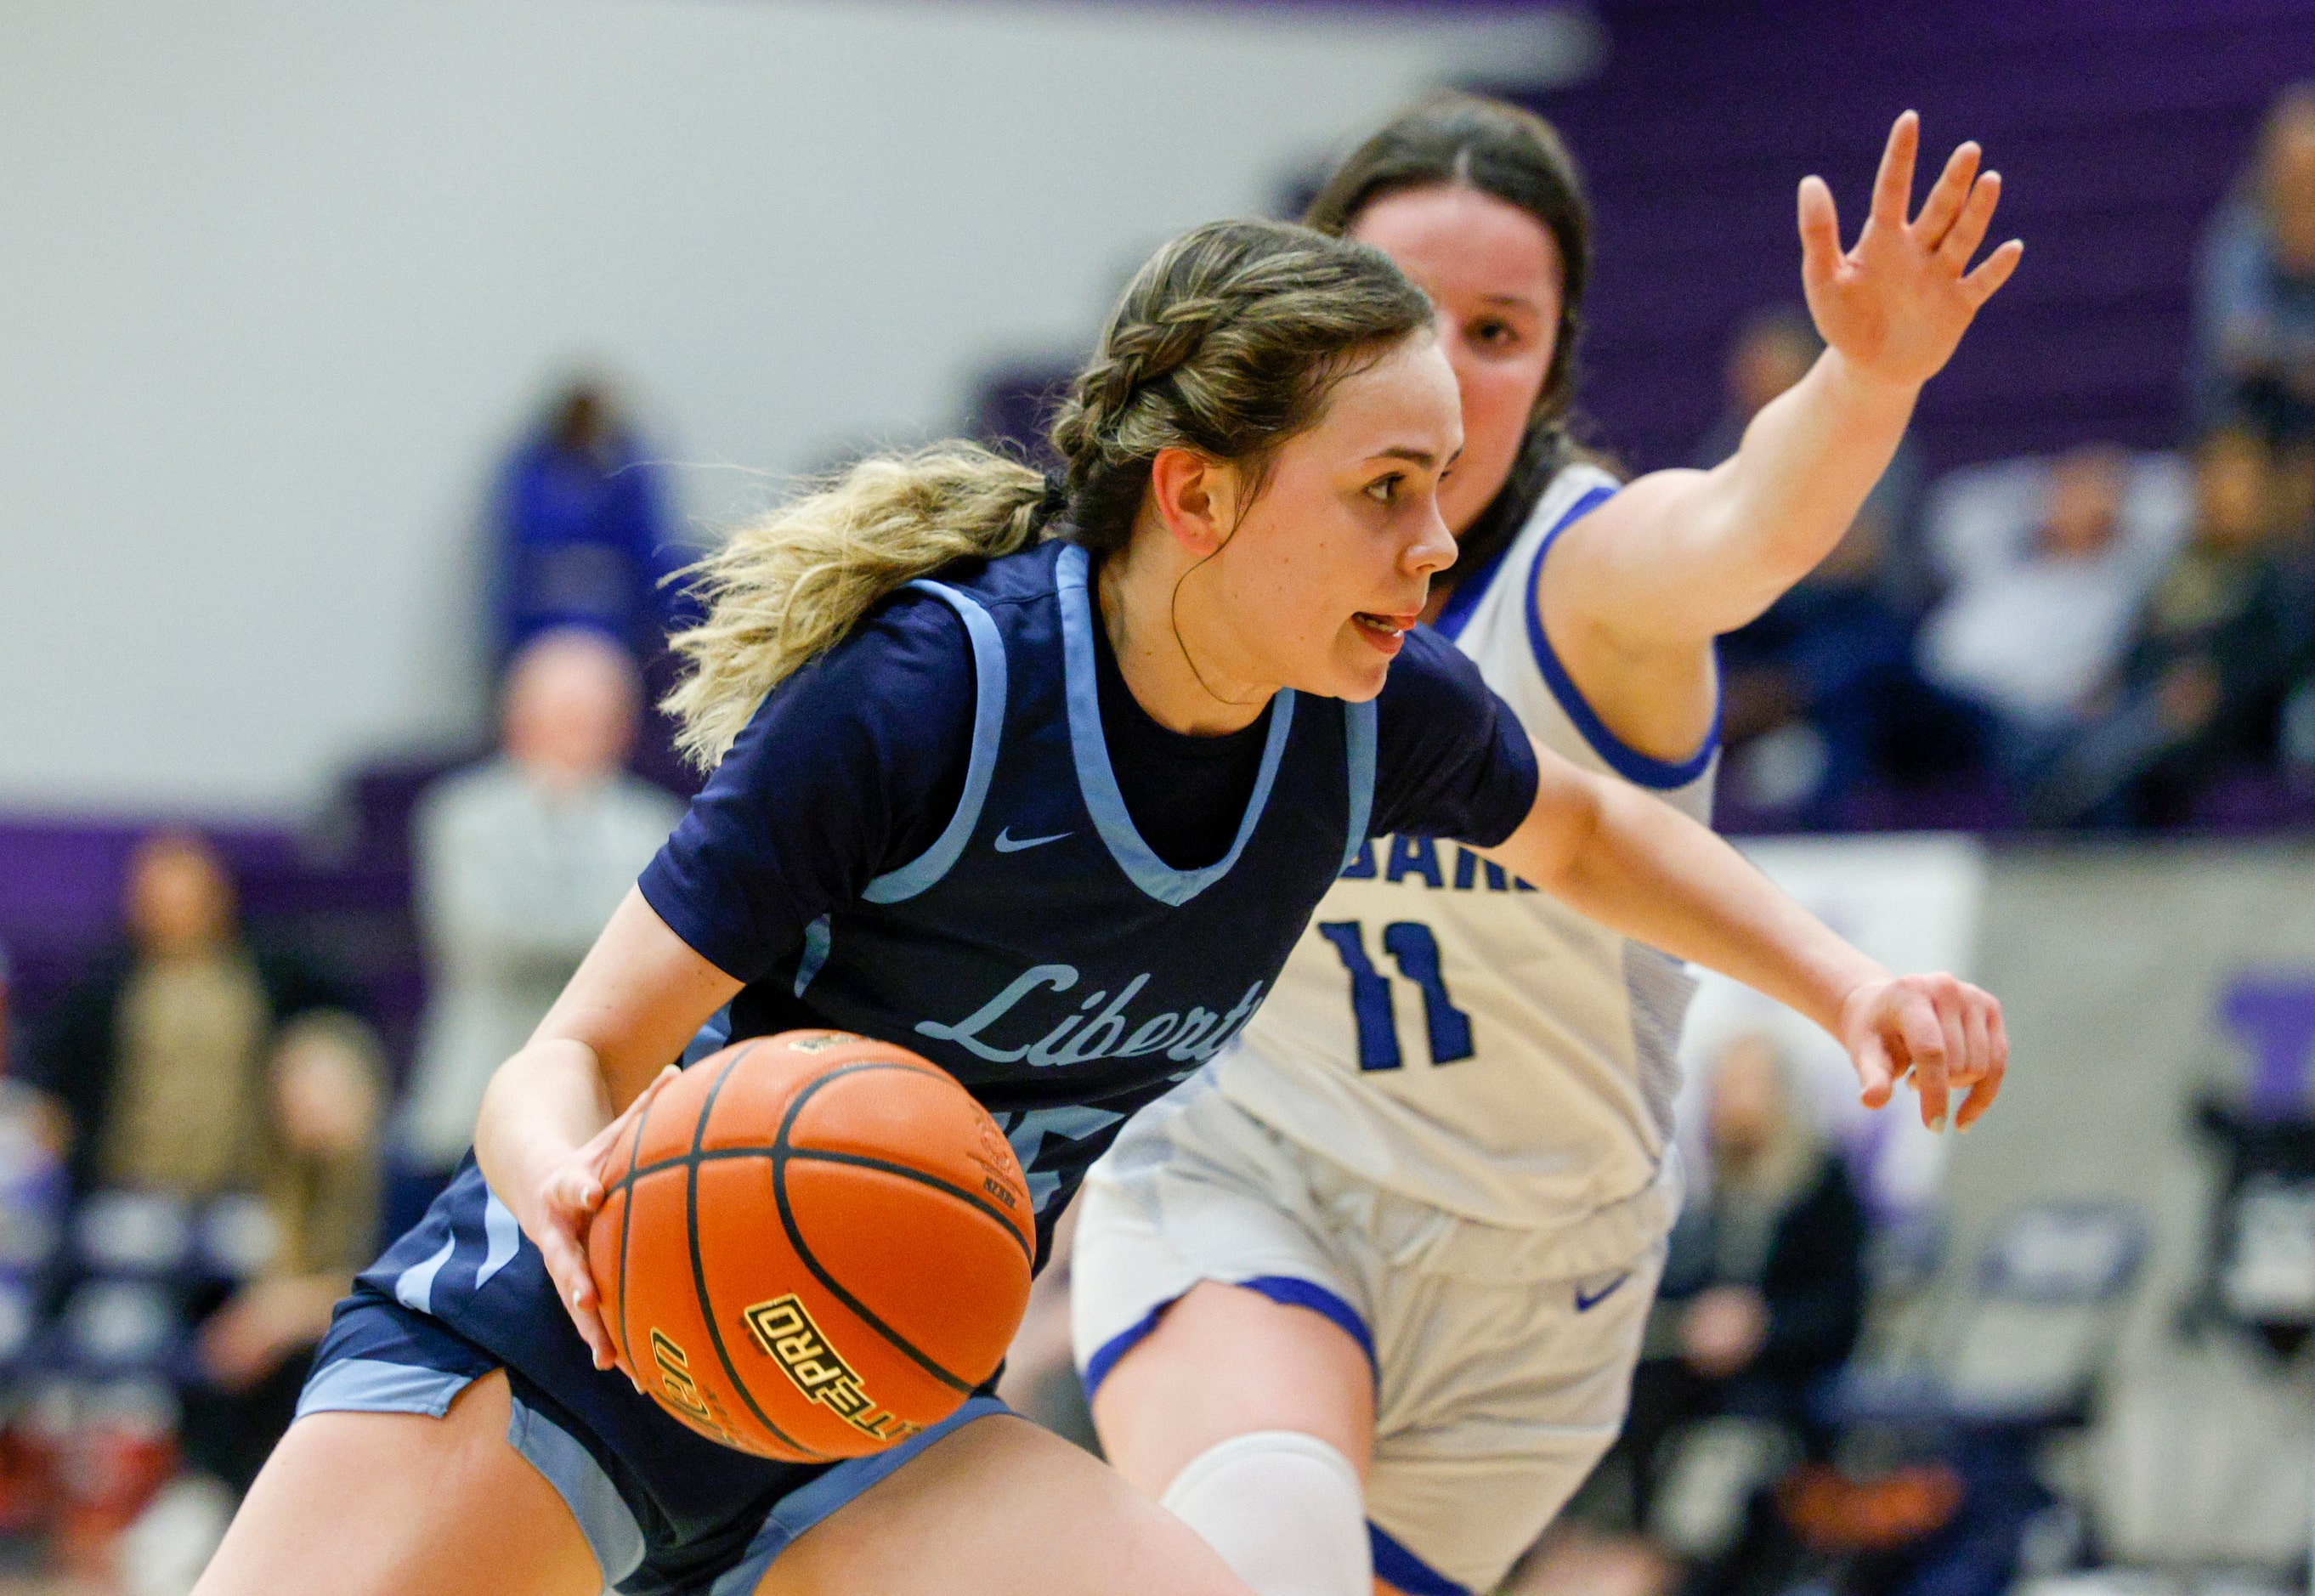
x,y
2029,633
514,882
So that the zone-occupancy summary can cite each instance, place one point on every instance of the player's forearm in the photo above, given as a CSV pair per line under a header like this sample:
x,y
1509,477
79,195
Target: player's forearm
x,y
1639,866
543,1103
1806,463
1680,557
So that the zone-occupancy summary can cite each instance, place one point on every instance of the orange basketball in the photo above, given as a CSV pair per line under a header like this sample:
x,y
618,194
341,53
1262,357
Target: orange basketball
x,y
812,1246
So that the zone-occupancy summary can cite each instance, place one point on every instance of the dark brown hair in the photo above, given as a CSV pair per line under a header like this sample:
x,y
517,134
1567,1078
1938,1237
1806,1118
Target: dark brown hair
x,y
1458,141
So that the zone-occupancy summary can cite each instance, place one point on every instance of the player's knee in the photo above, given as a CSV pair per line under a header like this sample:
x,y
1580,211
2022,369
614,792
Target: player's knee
x,y
1284,1510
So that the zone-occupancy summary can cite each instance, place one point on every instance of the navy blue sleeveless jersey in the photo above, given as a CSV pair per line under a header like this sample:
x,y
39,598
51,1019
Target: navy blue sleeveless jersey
x,y
1039,948
974,886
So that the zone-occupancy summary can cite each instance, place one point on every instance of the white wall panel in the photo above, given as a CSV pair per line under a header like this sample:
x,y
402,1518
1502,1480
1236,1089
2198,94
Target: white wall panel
x,y
279,278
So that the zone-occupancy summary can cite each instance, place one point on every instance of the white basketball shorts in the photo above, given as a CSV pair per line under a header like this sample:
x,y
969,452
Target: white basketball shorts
x,y
1499,1383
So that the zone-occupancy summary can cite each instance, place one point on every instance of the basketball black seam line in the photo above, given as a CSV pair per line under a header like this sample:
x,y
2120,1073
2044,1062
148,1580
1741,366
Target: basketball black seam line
x,y
636,1172
795,1234
626,1229
699,1268
964,1194
862,1161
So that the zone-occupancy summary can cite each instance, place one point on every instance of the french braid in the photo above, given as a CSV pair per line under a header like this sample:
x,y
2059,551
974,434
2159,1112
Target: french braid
x,y
1226,342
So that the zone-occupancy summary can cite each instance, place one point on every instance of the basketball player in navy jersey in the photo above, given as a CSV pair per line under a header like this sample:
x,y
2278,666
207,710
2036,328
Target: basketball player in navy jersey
x,y
1446,1059
1041,782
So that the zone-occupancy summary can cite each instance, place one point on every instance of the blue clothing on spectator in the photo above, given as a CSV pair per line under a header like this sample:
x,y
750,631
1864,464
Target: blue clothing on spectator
x,y
1844,655
583,543
2255,331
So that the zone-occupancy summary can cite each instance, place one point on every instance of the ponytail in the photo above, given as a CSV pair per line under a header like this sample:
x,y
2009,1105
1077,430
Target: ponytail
x,y
794,582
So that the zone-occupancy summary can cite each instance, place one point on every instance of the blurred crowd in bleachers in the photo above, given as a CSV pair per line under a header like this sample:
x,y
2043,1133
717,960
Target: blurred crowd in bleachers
x,y
2102,639
201,1134
207,1123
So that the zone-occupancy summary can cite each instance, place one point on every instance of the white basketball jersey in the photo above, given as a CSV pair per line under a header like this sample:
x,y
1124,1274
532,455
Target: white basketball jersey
x,y
1452,1034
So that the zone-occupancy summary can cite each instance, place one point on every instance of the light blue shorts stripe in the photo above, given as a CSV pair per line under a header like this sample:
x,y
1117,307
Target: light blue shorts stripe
x,y
799,1511
372,1385
604,1517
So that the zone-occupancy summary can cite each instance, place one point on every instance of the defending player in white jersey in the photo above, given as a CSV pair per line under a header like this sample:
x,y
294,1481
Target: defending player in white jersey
x,y
1361,1302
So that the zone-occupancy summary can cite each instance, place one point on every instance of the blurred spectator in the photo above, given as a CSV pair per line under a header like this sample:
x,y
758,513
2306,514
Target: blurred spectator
x,y
1763,1288
2208,662
1819,690
2293,541
326,1086
151,1067
519,862
2254,360
1774,349
583,539
2048,561
1810,690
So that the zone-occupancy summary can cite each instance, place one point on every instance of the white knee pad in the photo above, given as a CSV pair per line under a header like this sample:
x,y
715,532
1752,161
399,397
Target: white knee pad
x,y
1284,1510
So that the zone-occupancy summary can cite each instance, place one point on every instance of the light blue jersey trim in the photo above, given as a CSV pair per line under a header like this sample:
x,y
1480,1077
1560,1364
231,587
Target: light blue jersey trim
x,y
1097,781
1359,741
1027,1135
503,1234
817,940
712,1037
1627,761
604,1517
800,1510
373,1385
987,728
413,1288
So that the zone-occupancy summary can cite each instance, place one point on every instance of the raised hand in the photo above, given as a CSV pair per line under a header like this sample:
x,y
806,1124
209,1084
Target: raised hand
x,y
1945,1033
1896,306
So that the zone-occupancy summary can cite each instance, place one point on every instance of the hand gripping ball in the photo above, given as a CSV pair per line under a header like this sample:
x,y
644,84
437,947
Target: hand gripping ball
x,y
812,1245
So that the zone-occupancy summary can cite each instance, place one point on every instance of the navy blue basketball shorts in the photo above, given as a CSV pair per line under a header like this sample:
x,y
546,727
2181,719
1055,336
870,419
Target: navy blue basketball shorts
x,y
668,1512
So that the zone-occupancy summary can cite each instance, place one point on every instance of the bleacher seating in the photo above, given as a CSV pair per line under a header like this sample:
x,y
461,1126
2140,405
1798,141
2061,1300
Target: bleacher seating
x,y
1702,121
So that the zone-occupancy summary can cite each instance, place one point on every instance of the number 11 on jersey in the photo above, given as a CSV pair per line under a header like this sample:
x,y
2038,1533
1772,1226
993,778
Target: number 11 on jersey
x,y
1417,950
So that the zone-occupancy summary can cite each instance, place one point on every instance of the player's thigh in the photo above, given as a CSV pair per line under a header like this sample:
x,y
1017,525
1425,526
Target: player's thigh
x,y
385,1504
994,1508
1224,1362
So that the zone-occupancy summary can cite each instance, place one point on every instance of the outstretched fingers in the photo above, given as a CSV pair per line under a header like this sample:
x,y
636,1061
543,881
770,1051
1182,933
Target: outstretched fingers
x,y
1979,1045
1946,1033
1893,186
1948,196
1984,283
1993,1035
1924,1033
1968,230
1820,234
1877,1071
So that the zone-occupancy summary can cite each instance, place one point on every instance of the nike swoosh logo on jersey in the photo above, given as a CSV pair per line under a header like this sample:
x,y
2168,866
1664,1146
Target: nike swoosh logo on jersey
x,y
1008,844
1585,1304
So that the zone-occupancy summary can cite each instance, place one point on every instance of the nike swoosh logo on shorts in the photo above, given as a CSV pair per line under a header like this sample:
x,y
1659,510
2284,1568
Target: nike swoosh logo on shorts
x,y
1006,844
1586,1304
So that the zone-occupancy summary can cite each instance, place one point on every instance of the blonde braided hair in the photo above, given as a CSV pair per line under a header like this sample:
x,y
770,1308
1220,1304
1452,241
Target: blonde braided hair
x,y
1227,342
